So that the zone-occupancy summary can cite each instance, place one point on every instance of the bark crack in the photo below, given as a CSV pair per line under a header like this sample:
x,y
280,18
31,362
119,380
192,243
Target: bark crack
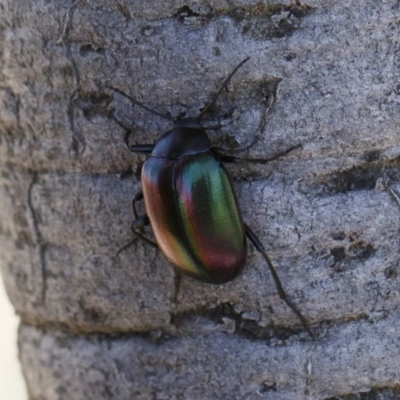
x,y
41,245
78,144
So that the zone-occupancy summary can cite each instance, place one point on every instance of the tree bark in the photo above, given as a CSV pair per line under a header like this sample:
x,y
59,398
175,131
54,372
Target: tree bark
x,y
99,325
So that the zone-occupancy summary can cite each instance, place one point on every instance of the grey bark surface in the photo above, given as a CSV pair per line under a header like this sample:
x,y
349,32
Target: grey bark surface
x,y
94,325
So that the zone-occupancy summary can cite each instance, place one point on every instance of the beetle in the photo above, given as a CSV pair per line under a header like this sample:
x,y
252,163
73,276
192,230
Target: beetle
x,y
191,205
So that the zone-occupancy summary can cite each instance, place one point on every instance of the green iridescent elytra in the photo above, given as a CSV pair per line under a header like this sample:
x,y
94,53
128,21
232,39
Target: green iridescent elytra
x,y
194,215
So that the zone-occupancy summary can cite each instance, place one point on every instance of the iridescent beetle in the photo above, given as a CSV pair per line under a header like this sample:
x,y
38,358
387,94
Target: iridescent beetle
x,y
190,203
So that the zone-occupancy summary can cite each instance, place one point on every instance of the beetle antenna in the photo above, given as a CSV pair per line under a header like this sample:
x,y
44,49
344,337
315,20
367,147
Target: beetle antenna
x,y
138,103
223,86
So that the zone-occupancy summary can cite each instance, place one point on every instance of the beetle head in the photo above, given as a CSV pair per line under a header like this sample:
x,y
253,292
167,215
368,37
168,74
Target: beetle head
x,y
187,137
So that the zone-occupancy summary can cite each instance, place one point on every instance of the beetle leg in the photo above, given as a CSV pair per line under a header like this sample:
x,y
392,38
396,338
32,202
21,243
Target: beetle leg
x,y
138,197
258,245
177,285
220,151
125,247
137,148
138,224
115,119
140,148
233,159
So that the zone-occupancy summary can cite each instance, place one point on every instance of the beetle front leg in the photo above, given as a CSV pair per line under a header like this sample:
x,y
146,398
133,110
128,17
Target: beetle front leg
x,y
137,148
220,151
259,247
140,148
233,159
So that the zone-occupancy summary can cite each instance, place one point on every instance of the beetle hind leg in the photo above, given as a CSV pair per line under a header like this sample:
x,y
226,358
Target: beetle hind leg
x,y
260,248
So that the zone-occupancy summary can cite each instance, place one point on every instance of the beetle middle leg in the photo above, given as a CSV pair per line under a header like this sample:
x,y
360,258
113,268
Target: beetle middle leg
x,y
260,248
138,224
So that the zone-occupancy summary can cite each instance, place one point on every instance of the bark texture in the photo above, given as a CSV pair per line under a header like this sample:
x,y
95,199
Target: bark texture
x,y
94,325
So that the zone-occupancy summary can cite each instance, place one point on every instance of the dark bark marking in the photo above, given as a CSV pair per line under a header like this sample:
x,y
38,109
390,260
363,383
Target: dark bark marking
x,y
41,245
78,143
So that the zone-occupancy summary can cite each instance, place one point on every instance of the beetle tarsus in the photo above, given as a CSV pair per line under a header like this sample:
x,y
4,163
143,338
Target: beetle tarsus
x,y
177,285
299,315
220,151
126,246
260,248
